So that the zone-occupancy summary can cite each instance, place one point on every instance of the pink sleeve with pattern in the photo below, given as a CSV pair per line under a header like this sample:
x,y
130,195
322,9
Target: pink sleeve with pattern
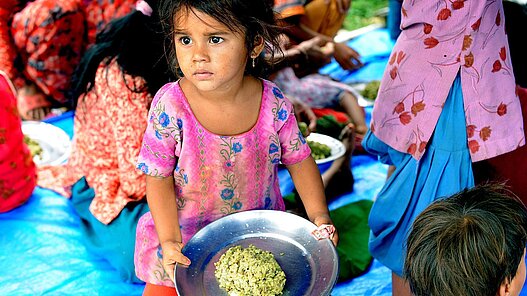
x,y
161,141
293,144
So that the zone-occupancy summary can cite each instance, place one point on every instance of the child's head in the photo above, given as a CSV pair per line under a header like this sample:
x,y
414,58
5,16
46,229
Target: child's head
x,y
253,21
471,243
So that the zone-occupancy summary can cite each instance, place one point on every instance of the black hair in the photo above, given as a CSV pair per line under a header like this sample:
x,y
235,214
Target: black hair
x,y
253,18
136,42
467,244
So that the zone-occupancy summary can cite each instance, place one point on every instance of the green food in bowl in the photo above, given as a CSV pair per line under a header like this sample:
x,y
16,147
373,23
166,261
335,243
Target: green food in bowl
x,y
34,147
319,150
249,272
371,89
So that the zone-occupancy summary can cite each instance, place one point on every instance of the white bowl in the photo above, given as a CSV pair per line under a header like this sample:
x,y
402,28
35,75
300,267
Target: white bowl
x,y
337,148
55,143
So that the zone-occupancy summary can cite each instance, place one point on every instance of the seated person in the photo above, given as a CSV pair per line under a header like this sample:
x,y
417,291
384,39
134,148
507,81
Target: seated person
x,y
17,170
114,85
472,243
303,20
334,103
41,43
319,91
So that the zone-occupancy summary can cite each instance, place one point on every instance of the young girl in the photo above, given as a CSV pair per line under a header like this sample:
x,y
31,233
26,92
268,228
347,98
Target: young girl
x,y
216,136
447,99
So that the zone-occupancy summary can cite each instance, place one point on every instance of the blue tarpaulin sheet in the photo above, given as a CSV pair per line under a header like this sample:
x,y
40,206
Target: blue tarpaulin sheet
x,y
41,250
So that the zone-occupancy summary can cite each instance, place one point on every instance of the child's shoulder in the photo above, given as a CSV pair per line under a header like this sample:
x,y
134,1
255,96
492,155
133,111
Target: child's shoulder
x,y
169,91
272,91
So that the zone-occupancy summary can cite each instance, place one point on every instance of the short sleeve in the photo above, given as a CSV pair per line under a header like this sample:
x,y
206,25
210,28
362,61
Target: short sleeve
x,y
293,144
162,139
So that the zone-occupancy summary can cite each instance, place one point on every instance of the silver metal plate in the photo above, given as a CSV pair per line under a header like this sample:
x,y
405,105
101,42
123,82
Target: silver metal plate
x,y
310,265
55,143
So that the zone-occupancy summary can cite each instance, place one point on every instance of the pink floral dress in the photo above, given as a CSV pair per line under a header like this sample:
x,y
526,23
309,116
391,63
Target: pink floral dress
x,y
440,39
214,175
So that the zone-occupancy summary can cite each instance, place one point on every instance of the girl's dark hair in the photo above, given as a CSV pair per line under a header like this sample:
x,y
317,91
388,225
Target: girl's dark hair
x,y
467,244
136,42
253,18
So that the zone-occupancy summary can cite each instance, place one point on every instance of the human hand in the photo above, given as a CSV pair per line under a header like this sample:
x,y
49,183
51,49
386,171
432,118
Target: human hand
x,y
171,255
347,57
318,51
342,5
325,219
303,111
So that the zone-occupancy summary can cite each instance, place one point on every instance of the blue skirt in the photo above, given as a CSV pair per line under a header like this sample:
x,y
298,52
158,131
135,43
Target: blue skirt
x,y
444,169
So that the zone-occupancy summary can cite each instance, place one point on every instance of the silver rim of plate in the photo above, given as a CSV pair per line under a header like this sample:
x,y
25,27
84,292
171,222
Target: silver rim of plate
x,y
55,143
337,148
311,265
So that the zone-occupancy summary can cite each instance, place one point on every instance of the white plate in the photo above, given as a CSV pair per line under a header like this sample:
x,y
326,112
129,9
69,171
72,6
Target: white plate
x,y
337,148
55,143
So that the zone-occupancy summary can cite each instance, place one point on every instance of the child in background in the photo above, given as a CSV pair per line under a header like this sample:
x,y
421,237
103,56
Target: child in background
x,y
17,169
472,243
215,137
321,91
303,20
41,43
447,99
113,87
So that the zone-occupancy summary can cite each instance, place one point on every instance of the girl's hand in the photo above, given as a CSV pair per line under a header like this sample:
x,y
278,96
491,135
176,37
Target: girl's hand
x,y
325,219
172,255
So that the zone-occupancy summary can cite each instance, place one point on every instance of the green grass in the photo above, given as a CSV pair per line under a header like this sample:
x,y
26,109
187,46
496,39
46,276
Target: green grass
x,y
362,13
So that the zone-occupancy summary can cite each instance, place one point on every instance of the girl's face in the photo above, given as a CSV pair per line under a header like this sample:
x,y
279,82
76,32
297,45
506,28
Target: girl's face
x,y
210,55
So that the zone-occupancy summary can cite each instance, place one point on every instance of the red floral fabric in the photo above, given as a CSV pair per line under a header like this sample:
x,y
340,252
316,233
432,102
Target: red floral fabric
x,y
439,39
17,170
108,129
43,40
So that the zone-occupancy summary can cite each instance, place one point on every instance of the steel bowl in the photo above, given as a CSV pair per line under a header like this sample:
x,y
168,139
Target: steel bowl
x,y
310,265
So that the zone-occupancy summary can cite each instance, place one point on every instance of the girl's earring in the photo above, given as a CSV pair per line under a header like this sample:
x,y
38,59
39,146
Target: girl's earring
x,y
254,62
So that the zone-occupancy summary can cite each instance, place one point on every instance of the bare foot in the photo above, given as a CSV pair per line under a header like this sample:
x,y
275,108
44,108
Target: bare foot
x,y
347,136
338,178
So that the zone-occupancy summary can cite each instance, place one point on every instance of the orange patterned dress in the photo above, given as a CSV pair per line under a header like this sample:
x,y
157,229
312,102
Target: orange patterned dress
x,y
108,129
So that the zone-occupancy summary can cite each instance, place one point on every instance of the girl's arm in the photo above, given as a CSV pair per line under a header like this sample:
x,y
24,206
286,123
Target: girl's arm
x,y
161,197
308,183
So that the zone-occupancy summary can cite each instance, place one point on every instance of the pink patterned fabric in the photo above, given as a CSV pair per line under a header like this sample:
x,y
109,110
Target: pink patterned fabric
x,y
214,175
439,39
314,90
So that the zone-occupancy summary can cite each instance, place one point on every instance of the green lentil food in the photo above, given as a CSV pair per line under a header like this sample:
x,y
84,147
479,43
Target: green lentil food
x,y
319,150
371,89
34,147
249,272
